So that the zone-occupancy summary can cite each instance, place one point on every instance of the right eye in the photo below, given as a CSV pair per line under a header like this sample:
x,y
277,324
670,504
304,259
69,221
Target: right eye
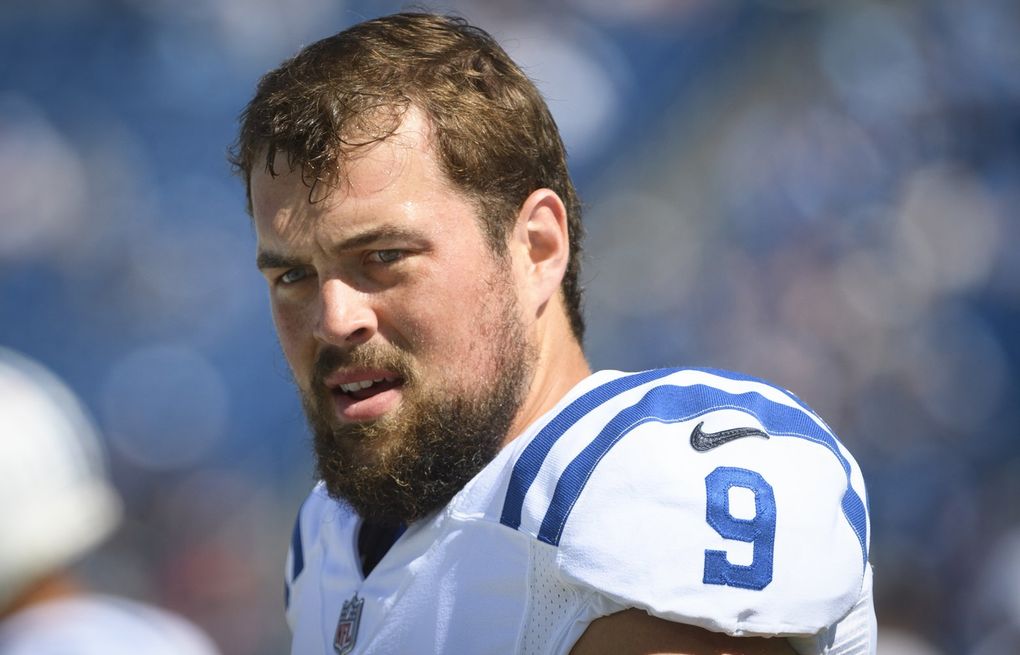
x,y
293,276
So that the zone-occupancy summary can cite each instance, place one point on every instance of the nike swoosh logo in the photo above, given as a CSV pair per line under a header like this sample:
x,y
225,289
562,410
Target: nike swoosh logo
x,y
704,441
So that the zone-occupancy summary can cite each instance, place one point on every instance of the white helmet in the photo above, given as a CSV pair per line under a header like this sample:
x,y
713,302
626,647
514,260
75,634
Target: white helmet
x,y
56,502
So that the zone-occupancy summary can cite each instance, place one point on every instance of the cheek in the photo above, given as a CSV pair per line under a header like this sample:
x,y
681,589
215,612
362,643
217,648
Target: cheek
x,y
473,324
436,327
295,335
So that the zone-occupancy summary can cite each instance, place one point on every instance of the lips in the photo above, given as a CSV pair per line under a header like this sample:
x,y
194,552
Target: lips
x,y
362,395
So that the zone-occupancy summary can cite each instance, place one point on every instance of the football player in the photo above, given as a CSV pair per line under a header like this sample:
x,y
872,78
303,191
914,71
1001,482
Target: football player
x,y
482,491
57,505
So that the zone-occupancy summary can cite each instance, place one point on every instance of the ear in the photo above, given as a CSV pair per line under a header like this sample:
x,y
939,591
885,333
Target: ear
x,y
541,246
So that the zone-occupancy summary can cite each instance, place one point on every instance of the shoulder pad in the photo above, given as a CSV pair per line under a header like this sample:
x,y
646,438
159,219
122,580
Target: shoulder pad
x,y
703,497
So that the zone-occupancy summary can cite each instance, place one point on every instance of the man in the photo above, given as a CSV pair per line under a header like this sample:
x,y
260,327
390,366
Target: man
x,y
482,491
56,506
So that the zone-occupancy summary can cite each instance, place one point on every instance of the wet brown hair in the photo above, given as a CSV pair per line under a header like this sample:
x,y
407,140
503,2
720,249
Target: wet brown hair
x,y
492,132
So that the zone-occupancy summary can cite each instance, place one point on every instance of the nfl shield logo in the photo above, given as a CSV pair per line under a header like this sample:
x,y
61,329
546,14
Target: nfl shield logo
x,y
347,626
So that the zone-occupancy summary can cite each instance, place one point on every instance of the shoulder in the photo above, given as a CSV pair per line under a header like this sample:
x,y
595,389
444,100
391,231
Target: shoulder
x,y
317,518
702,496
307,526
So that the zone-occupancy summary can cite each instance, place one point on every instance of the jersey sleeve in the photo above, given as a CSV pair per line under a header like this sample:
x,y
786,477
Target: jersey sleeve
x,y
734,509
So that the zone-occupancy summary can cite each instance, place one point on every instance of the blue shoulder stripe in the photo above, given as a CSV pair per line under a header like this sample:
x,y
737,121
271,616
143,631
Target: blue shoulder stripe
x,y
743,377
296,549
670,404
530,461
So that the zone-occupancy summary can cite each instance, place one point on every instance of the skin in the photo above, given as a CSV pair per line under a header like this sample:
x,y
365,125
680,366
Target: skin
x,y
634,632
395,257
55,586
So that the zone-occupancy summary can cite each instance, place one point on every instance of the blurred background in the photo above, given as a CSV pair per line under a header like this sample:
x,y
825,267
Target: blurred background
x,y
819,193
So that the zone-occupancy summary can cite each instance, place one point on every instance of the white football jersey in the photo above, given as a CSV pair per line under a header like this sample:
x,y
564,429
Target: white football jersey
x,y
700,496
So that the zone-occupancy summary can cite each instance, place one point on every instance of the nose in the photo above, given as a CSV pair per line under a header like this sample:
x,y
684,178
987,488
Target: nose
x,y
346,316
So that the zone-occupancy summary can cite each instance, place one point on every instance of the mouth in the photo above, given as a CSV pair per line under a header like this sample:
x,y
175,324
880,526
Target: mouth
x,y
364,395
363,389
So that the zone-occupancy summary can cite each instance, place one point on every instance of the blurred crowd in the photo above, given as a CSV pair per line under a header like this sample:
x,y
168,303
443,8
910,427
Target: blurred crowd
x,y
821,194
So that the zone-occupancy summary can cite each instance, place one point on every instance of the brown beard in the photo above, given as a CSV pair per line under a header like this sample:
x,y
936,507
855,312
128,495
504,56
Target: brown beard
x,y
406,465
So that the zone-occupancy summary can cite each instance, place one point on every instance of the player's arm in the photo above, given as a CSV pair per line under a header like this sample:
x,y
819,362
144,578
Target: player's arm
x,y
633,632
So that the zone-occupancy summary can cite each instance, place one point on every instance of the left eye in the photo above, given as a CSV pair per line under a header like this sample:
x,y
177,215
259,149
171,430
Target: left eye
x,y
387,256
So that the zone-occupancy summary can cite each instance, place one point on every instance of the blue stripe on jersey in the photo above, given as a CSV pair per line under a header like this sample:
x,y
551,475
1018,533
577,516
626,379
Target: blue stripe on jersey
x,y
671,404
742,377
530,461
296,549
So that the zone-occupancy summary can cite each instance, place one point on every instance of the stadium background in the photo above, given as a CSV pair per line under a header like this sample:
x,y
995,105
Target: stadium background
x,y
822,194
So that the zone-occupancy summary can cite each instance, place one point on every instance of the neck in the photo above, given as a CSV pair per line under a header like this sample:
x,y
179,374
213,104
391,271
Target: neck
x,y
560,366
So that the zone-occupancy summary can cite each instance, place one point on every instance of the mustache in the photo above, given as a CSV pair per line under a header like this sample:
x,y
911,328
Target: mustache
x,y
365,356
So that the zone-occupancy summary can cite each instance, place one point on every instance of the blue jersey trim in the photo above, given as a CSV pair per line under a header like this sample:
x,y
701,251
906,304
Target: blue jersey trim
x,y
530,461
670,404
296,549
742,377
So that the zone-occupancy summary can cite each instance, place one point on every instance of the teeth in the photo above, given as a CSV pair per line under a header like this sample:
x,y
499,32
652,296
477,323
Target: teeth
x,y
357,386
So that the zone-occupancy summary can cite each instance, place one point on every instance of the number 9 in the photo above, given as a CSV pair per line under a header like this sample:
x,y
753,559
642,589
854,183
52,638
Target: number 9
x,y
759,530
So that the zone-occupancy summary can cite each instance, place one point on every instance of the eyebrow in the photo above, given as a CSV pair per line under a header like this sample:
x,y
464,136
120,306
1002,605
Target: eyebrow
x,y
267,259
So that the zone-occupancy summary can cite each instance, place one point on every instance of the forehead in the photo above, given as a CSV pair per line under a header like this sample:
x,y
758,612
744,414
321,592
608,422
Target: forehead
x,y
395,176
